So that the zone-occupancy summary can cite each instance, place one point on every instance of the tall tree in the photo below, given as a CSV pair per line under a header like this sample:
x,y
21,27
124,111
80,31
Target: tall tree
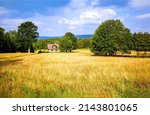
x,y
66,45
14,40
28,34
7,44
111,36
2,35
141,42
71,36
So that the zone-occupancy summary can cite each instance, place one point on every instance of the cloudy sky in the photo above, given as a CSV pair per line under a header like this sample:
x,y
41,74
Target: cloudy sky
x,y
56,17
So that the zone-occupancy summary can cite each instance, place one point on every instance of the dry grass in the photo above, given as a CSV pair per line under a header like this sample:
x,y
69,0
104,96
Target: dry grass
x,y
77,74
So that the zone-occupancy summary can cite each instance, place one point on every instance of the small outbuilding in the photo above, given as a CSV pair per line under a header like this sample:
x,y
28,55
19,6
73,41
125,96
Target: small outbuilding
x,y
53,48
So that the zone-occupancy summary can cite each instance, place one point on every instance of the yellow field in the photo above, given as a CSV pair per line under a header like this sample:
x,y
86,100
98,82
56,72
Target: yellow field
x,y
78,74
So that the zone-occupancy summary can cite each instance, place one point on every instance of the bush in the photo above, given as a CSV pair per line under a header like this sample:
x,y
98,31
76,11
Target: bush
x,y
41,51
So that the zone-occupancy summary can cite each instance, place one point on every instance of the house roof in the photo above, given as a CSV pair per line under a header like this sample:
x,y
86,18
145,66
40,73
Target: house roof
x,y
53,47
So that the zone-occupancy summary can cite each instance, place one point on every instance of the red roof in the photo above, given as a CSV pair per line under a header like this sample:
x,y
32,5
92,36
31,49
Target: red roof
x,y
53,47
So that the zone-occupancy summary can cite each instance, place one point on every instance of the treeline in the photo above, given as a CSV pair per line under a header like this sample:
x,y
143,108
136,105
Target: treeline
x,y
141,42
42,44
83,43
18,41
9,41
13,42
111,36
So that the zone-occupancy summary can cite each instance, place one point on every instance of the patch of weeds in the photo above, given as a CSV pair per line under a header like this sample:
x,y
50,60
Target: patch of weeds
x,y
135,90
29,92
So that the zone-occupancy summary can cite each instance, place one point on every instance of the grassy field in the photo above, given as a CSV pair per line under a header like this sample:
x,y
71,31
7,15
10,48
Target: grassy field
x,y
78,74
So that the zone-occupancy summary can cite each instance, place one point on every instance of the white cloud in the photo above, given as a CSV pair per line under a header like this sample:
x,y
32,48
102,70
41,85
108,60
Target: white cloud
x,y
79,17
4,10
80,13
143,16
90,16
139,3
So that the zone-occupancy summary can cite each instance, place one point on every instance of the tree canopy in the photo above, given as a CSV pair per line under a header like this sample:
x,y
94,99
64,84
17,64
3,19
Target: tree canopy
x,y
28,34
65,45
111,36
141,42
68,42
71,36
84,43
2,30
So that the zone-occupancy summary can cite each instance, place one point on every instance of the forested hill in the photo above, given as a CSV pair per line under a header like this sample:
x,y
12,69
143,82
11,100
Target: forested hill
x,y
78,36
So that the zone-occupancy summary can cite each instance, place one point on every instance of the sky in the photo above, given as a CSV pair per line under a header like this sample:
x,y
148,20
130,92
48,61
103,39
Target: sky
x,y
56,17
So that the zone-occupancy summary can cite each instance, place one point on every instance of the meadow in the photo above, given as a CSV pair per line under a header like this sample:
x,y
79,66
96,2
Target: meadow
x,y
77,74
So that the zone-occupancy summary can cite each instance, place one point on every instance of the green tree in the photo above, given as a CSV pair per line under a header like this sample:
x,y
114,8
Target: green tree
x,y
2,34
7,44
42,44
111,36
70,36
28,34
141,42
83,43
66,45
12,40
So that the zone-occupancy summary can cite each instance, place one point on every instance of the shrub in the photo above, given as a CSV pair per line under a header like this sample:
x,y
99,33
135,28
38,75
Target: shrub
x,y
41,51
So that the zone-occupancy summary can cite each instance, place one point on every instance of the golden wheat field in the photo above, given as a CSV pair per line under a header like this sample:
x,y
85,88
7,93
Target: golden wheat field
x,y
78,74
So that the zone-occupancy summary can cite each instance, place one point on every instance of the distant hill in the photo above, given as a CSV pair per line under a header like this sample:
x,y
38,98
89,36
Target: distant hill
x,y
84,36
50,37
78,36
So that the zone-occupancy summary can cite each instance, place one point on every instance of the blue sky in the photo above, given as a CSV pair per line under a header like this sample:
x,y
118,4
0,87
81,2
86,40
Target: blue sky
x,y
56,17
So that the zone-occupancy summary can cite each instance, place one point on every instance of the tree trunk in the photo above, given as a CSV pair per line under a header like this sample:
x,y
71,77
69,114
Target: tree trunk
x,y
144,53
29,49
137,53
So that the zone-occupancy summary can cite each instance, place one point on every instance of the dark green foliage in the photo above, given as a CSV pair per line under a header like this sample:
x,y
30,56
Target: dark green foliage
x,y
70,36
111,36
83,43
2,41
68,42
8,41
22,40
27,32
42,44
141,42
14,40
66,45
